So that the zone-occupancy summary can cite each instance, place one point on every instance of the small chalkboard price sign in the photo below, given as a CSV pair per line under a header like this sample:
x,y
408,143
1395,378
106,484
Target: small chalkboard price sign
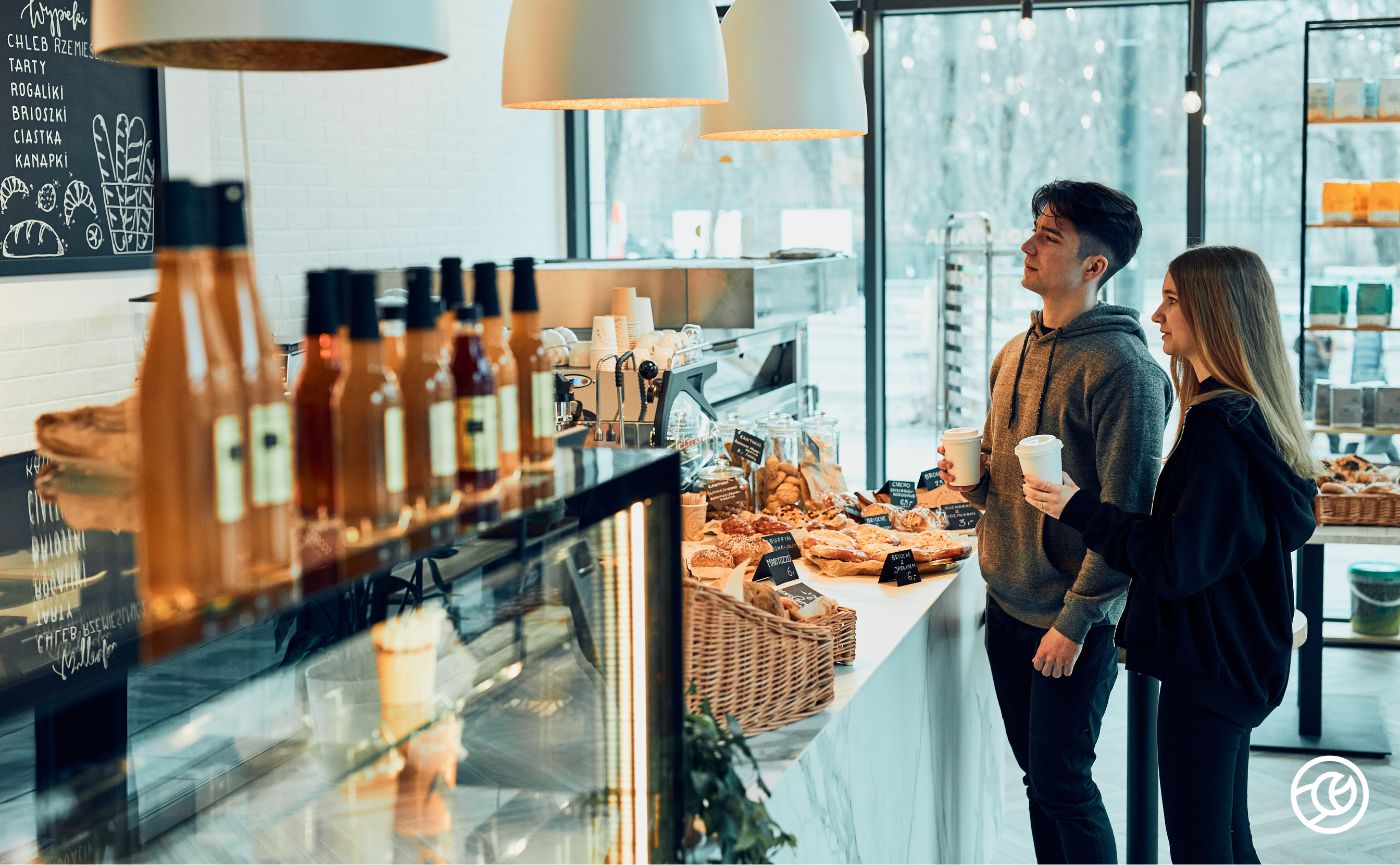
x,y
82,149
748,446
903,494
776,566
726,494
900,568
784,541
879,521
961,516
930,480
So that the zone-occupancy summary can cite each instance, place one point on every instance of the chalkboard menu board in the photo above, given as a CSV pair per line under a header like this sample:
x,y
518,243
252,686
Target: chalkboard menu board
x,y
81,148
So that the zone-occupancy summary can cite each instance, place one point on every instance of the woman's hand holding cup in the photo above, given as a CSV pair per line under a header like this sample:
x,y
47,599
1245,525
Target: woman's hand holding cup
x,y
1049,499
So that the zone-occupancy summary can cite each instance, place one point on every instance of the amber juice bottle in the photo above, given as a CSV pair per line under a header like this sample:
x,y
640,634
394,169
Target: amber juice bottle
x,y
367,408
340,283
486,294
452,295
190,417
315,452
393,317
429,407
478,439
536,397
267,467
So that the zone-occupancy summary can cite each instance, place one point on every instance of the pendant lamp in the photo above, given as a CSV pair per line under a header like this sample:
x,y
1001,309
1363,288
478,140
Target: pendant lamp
x,y
270,35
608,54
792,75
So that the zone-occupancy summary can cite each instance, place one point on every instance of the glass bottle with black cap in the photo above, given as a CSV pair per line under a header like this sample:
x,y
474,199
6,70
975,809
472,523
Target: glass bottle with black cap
x,y
429,409
190,417
367,408
315,451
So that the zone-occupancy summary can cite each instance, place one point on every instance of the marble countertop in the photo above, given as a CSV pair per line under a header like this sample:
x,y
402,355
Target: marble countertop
x,y
885,616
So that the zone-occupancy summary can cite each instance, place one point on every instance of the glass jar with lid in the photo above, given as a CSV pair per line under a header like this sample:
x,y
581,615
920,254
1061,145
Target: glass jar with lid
x,y
779,483
727,489
822,441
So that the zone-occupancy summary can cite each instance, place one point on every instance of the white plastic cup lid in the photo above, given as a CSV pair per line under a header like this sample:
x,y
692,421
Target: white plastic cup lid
x,y
1038,444
961,434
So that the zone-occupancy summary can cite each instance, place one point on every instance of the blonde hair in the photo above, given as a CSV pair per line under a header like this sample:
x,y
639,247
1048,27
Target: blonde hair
x,y
1228,301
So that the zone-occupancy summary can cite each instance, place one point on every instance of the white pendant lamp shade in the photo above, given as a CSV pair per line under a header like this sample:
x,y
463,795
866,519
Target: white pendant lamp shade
x,y
605,54
270,35
792,75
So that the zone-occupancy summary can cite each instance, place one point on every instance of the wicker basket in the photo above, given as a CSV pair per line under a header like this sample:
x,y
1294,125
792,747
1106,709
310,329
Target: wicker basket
x,y
766,671
1358,510
842,625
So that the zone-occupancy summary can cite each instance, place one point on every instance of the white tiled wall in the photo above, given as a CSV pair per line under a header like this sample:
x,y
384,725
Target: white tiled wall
x,y
361,169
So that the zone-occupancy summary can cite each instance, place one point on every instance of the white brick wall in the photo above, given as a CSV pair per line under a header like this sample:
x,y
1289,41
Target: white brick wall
x,y
376,169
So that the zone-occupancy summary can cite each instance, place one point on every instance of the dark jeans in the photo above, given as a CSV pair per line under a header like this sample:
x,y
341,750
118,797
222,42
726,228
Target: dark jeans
x,y
1204,760
1053,725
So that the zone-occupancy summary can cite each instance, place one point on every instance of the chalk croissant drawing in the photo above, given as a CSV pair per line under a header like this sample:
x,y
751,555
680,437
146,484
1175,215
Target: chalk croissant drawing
x,y
9,188
32,238
77,196
128,183
48,196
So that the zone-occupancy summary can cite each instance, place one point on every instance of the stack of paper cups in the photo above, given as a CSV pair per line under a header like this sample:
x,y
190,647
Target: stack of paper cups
x,y
604,343
640,322
625,339
622,300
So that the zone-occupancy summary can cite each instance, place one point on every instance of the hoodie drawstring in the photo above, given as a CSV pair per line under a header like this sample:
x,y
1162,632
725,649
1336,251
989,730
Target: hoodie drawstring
x,y
1016,384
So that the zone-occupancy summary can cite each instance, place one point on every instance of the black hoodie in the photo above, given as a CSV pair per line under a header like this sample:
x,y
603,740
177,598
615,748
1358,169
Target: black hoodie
x,y
1211,601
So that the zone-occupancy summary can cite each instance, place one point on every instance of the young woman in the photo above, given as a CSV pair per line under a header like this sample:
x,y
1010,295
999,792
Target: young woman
x,y
1210,607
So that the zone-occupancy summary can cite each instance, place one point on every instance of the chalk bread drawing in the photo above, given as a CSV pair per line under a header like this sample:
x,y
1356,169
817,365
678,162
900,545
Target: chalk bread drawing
x,y
94,236
9,188
128,183
32,238
77,195
47,199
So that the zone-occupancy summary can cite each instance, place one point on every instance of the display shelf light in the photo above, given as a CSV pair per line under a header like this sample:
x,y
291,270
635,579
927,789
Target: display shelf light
x,y
269,35
860,39
1191,101
613,54
1025,28
792,75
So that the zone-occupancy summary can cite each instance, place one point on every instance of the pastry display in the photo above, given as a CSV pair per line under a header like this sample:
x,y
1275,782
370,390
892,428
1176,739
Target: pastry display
x,y
745,549
1355,475
710,557
779,485
765,597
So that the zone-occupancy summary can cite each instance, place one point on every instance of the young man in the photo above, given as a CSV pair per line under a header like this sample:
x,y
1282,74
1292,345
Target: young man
x,y
1082,373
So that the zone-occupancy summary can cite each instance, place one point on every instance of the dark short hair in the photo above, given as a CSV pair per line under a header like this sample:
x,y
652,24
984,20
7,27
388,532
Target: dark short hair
x,y
1107,220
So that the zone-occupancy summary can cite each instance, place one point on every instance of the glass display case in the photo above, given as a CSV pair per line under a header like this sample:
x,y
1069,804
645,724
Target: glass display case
x,y
522,703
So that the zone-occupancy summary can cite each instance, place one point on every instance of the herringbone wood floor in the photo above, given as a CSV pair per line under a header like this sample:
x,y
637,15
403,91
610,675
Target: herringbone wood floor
x,y
1278,835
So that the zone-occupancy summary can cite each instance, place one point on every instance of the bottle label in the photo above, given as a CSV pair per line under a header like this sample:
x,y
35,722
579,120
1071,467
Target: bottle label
x,y
394,473
228,469
510,419
542,399
442,421
270,448
477,448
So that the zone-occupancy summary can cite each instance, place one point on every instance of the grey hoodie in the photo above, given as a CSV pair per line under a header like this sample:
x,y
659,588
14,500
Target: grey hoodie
x,y
1093,384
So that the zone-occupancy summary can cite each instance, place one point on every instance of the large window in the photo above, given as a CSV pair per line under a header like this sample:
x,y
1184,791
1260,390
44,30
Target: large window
x,y
976,119
658,190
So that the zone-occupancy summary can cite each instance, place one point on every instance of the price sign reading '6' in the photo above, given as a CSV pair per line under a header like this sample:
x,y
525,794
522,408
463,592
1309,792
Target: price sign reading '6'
x,y
900,568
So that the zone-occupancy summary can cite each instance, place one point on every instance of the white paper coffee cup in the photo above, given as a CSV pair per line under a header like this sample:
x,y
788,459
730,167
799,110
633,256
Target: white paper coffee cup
x,y
962,446
1040,458
622,298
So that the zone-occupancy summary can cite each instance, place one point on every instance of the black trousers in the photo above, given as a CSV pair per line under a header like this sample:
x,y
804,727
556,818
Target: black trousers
x,y
1204,764
1053,726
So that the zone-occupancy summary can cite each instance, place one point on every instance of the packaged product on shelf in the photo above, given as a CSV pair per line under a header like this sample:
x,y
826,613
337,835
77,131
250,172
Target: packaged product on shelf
x,y
725,432
1360,202
486,294
1388,98
1388,406
1336,201
1322,403
1319,99
780,484
536,397
1327,305
267,466
478,406
1347,405
311,399
1385,201
1373,304
1349,99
